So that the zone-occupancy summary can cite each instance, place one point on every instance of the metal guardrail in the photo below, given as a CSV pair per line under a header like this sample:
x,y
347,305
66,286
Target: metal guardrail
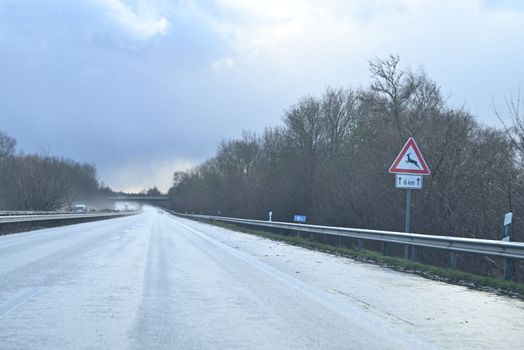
x,y
17,223
507,250
26,212
44,217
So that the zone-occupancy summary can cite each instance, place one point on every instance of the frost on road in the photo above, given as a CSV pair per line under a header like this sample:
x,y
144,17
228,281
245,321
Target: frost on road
x,y
153,281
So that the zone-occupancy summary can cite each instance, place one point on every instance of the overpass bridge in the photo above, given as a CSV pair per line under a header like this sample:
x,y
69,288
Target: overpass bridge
x,y
140,199
122,202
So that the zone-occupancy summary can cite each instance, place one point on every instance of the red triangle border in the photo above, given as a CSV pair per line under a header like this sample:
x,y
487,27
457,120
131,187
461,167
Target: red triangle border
x,y
394,167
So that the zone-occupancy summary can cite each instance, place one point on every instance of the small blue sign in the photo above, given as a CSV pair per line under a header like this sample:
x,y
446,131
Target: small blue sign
x,y
299,218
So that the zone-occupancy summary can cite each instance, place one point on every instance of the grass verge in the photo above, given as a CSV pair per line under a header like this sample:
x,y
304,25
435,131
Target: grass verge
x,y
470,280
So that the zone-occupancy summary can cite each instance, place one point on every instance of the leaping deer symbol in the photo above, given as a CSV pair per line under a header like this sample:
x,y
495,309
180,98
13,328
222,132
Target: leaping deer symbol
x,y
412,161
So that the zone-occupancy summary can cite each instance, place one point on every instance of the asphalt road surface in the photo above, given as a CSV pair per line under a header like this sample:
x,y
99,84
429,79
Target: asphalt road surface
x,y
154,281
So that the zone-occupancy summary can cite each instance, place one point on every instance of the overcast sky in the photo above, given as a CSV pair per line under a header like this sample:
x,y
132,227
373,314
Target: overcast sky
x,y
144,88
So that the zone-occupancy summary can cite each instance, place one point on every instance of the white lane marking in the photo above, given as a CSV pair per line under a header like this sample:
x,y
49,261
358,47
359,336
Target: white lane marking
x,y
17,301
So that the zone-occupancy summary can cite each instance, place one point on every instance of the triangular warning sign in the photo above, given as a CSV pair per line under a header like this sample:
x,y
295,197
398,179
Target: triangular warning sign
x,y
410,160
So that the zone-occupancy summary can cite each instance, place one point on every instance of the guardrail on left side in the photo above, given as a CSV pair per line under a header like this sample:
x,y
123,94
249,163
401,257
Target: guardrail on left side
x,y
27,212
18,223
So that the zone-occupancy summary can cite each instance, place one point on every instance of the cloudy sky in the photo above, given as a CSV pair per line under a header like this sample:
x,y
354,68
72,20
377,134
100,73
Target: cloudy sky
x,y
142,88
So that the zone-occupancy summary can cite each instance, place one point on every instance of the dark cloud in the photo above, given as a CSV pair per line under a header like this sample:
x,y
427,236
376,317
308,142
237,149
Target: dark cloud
x,y
116,87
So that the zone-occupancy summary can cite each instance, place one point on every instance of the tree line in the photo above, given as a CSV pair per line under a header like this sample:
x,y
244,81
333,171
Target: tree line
x,y
42,182
329,161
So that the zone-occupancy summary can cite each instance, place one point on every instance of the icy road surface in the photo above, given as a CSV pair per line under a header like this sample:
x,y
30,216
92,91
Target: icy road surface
x,y
153,281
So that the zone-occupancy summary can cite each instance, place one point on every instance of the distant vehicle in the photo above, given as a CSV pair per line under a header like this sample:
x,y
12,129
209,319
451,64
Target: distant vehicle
x,y
79,208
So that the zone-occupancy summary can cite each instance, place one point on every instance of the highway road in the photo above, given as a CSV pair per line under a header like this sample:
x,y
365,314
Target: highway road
x,y
154,281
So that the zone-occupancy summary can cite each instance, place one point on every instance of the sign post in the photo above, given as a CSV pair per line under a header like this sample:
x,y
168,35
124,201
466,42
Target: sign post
x,y
408,211
409,167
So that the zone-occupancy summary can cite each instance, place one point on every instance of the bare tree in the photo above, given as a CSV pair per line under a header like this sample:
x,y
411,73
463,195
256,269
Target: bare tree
x,y
515,127
339,110
7,145
393,87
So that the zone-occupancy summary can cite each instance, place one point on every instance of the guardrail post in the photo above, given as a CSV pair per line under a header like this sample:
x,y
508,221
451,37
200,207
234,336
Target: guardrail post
x,y
385,248
508,268
413,253
453,262
406,251
360,244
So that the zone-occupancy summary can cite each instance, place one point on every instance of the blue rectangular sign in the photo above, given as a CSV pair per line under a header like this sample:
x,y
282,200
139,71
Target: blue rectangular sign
x,y
299,218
